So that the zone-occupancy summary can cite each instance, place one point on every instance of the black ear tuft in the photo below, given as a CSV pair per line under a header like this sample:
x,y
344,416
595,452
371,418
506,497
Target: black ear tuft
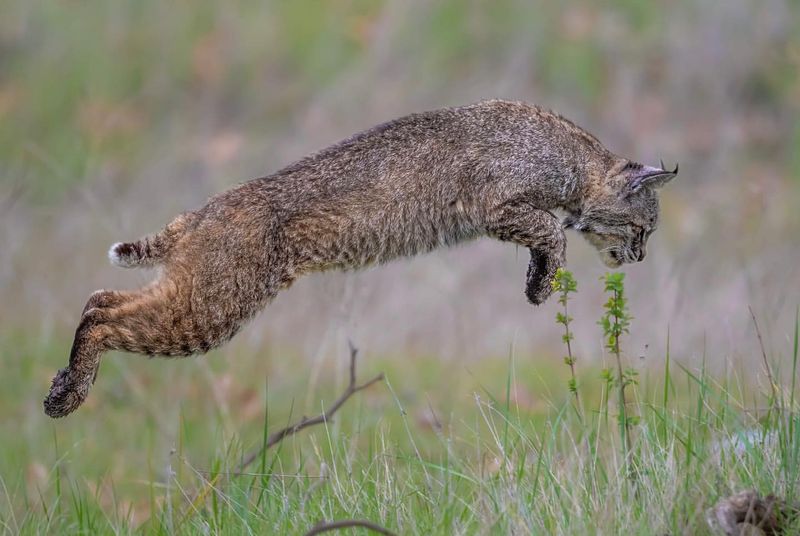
x,y
649,177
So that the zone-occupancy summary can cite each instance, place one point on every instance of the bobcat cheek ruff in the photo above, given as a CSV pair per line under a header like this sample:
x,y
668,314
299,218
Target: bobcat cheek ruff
x,y
495,168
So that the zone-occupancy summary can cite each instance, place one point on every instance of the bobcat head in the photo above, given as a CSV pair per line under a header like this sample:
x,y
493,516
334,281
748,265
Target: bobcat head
x,y
621,212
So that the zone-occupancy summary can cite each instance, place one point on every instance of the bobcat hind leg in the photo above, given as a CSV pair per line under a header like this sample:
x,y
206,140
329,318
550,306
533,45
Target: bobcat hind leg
x,y
181,314
131,320
103,299
71,385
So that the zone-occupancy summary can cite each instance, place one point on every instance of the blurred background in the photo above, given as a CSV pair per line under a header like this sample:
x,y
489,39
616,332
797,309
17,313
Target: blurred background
x,y
115,116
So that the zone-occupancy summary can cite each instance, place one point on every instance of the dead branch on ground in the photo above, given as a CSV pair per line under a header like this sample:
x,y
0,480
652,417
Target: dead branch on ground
x,y
325,416
321,527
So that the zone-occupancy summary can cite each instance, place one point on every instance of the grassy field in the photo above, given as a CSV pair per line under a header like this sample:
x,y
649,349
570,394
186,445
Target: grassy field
x,y
495,447
115,116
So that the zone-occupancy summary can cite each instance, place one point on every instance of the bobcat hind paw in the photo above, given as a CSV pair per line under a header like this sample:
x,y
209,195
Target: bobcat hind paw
x,y
66,393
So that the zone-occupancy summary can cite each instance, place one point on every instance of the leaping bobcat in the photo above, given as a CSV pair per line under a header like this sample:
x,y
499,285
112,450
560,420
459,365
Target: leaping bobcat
x,y
494,168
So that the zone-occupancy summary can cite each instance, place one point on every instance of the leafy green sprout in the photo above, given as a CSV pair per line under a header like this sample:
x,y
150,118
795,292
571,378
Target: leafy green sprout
x,y
615,322
565,284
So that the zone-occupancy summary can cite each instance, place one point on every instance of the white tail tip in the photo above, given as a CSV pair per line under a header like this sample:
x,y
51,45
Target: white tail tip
x,y
119,259
113,256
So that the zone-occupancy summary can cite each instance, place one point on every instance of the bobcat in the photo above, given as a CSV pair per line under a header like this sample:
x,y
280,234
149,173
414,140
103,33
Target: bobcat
x,y
494,168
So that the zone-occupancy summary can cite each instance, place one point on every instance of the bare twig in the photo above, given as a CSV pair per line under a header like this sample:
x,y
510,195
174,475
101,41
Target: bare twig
x,y
323,417
772,384
321,527
280,435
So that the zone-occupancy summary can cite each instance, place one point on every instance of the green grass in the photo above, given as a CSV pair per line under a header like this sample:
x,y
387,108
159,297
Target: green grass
x,y
91,90
439,448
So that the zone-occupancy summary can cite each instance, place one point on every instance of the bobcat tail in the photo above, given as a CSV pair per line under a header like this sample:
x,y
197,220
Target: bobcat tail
x,y
150,250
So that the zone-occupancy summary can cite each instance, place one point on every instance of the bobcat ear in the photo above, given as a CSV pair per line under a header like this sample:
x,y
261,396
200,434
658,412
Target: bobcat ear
x,y
650,177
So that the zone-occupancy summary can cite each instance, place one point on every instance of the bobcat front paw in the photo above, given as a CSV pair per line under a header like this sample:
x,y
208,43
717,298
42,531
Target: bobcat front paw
x,y
67,392
538,290
539,283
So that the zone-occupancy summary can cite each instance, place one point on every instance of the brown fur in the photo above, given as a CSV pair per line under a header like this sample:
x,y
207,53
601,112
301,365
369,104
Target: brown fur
x,y
408,186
